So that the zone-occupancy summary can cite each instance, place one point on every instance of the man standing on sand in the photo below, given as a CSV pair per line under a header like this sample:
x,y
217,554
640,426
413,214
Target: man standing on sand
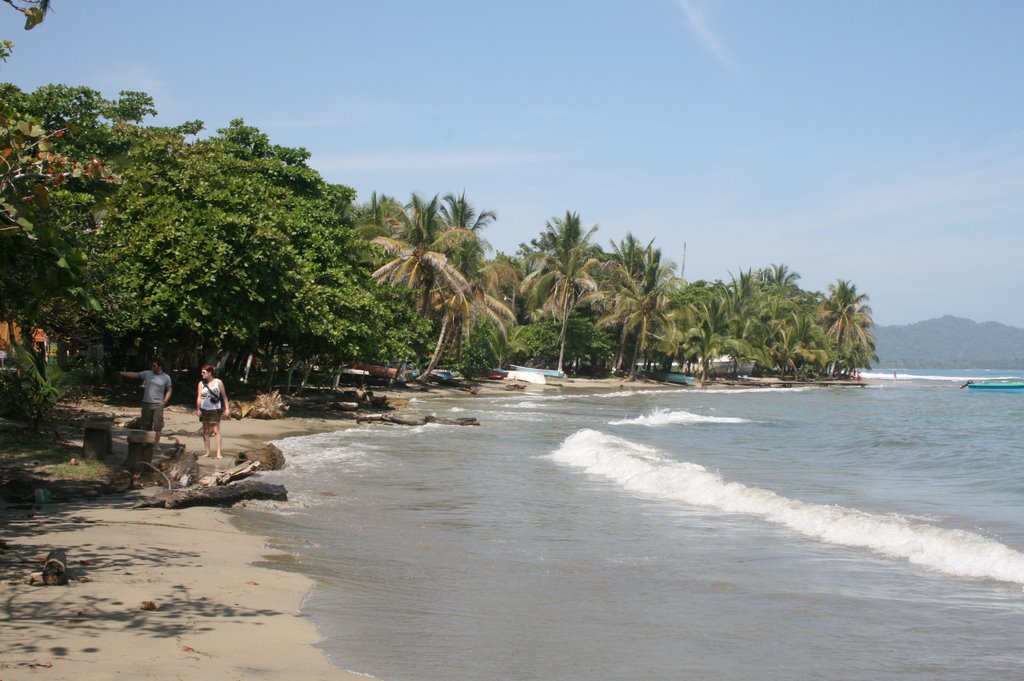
x,y
156,393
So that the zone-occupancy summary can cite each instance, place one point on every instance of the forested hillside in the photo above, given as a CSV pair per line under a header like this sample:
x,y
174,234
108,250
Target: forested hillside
x,y
950,343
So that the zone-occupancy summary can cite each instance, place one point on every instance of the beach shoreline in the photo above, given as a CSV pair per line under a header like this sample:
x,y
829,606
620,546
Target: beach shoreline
x,y
214,613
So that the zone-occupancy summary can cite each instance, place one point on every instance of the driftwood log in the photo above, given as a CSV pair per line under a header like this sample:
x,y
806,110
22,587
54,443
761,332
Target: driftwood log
x,y
179,469
227,495
55,568
347,400
416,421
230,475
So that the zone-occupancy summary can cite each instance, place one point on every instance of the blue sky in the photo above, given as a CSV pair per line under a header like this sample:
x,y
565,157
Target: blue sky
x,y
880,142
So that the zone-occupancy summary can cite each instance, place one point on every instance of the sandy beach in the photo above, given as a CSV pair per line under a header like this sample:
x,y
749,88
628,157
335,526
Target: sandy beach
x,y
155,593
169,594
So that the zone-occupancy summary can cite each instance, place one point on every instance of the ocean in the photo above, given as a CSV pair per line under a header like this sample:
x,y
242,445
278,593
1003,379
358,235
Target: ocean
x,y
826,533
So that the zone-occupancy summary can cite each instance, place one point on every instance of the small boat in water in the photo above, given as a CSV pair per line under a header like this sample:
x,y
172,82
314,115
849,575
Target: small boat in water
x,y
1001,387
668,377
551,373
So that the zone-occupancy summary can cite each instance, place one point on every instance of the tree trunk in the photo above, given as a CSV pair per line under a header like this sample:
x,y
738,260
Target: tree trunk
x,y
438,349
620,354
632,365
55,568
248,366
563,335
227,495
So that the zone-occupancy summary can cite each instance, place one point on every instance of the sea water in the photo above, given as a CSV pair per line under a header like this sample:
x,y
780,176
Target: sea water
x,y
744,533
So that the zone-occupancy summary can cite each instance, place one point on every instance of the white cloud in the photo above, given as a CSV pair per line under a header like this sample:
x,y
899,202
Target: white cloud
x,y
697,22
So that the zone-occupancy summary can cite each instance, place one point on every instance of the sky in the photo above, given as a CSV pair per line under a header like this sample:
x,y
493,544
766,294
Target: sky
x,y
874,141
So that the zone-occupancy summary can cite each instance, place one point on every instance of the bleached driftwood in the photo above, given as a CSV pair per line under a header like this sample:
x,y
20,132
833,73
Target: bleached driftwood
x,y
229,475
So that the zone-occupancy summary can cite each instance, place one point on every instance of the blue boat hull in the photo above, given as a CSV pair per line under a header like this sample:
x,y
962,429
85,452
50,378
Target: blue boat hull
x,y
668,377
998,387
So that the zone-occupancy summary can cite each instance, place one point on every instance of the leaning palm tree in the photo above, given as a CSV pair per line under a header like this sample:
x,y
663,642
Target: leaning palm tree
x,y
846,319
482,299
428,249
419,243
561,275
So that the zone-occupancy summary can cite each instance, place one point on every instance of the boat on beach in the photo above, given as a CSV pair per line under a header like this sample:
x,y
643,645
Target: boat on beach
x,y
534,377
668,377
550,373
996,386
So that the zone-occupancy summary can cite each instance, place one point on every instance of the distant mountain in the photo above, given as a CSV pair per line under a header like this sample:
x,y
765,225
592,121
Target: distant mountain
x,y
950,343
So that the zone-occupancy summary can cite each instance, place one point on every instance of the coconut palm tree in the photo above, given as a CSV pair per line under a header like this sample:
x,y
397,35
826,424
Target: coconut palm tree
x,y
780,277
430,242
561,276
846,319
485,277
798,342
641,301
419,243
626,259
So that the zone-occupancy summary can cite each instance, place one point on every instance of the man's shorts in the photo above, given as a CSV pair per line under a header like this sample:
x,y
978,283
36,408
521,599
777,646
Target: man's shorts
x,y
209,415
153,416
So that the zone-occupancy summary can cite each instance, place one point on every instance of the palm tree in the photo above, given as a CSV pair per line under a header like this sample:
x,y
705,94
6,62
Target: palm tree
x,y
641,302
780,277
561,276
797,343
424,236
419,242
846,319
626,258
379,216
469,256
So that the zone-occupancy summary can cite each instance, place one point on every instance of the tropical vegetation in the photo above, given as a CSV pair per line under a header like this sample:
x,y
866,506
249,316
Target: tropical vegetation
x,y
122,240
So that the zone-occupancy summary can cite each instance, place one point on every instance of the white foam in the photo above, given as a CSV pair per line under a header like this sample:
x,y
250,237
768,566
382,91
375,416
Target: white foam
x,y
664,417
888,376
740,391
643,470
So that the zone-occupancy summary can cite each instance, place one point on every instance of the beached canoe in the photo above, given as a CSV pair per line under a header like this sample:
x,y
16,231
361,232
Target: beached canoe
x,y
668,377
551,373
1004,387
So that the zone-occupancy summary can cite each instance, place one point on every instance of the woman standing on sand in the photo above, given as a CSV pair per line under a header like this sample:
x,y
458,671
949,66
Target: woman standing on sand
x,y
211,402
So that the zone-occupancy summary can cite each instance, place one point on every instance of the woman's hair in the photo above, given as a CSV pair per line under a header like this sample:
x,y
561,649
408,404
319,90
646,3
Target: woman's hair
x,y
209,369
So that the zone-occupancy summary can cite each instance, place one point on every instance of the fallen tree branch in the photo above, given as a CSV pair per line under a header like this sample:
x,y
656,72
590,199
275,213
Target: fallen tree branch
x,y
224,477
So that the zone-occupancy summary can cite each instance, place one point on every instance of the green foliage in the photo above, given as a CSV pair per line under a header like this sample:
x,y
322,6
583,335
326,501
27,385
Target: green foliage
x,y
33,386
538,344
34,248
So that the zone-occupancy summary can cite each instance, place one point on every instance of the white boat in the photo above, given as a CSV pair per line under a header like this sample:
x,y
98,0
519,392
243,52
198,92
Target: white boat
x,y
527,376
551,373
